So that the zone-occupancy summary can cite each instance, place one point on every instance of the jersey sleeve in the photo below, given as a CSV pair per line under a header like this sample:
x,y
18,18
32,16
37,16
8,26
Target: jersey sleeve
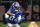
x,y
10,9
20,13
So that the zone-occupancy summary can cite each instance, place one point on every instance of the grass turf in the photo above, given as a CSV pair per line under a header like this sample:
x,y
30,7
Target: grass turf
x,y
23,24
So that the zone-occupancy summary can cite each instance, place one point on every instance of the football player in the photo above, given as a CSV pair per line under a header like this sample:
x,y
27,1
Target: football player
x,y
15,15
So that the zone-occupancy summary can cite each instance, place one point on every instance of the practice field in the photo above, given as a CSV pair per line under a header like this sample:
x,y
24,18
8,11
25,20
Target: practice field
x,y
23,24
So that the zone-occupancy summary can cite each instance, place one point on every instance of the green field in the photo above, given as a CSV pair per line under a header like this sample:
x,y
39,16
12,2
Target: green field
x,y
23,24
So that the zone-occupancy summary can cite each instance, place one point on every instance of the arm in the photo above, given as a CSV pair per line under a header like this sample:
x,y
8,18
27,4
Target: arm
x,y
20,16
9,13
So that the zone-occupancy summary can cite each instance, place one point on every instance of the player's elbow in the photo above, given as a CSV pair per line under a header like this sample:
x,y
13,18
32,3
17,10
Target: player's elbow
x,y
7,13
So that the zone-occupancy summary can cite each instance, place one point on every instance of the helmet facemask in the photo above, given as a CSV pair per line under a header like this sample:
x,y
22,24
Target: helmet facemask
x,y
16,8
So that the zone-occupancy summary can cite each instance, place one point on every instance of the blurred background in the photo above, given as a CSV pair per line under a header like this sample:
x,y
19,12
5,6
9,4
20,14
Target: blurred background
x,y
32,6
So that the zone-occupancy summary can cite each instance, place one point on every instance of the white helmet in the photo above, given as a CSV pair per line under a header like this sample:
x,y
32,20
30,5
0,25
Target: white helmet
x,y
15,4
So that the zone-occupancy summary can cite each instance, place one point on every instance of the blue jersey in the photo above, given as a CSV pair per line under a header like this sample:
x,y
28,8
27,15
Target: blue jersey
x,y
15,20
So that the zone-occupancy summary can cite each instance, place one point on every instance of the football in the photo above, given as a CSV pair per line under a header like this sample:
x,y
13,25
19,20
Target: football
x,y
26,13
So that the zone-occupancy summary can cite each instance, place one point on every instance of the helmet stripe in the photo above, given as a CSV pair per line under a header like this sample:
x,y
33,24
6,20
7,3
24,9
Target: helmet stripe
x,y
17,3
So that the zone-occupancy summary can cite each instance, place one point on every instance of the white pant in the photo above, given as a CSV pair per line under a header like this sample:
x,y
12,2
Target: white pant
x,y
14,25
